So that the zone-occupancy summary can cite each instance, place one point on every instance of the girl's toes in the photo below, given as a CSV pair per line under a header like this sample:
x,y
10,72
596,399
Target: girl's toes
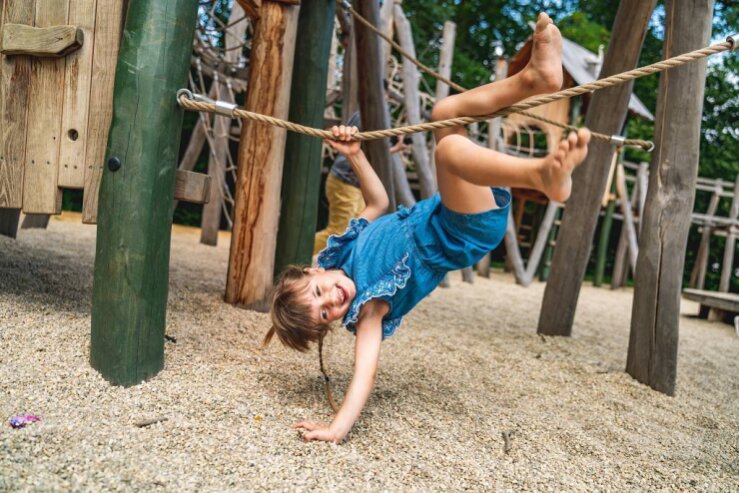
x,y
564,146
572,139
583,137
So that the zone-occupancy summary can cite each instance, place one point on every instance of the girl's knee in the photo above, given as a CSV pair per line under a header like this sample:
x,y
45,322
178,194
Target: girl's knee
x,y
446,150
444,109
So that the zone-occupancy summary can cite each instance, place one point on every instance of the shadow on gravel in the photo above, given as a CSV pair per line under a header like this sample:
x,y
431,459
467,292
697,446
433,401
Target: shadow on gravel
x,y
46,277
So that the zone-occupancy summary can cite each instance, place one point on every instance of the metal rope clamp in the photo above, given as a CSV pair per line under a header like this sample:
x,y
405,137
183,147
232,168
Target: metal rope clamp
x,y
734,40
221,107
617,140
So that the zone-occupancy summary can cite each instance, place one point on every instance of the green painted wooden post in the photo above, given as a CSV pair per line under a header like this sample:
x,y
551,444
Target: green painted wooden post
x,y
302,170
129,296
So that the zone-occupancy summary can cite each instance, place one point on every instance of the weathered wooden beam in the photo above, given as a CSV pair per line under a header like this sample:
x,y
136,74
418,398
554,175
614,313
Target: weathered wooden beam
x,y
110,15
219,152
374,110
655,318
130,286
54,41
15,88
192,187
261,152
606,112
301,180
727,267
698,276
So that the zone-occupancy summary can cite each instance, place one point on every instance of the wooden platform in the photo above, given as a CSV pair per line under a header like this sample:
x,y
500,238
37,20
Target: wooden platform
x,y
723,302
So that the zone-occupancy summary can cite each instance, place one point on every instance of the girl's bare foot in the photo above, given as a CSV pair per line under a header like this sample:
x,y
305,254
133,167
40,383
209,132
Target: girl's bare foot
x,y
557,167
543,74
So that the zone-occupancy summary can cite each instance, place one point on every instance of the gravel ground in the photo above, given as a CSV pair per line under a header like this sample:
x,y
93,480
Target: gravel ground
x,y
465,369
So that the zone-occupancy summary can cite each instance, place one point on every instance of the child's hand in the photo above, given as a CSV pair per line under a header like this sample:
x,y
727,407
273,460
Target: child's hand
x,y
318,431
343,140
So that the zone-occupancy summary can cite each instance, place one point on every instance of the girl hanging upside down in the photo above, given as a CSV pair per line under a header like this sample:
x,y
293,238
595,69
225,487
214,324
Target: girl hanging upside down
x,y
383,265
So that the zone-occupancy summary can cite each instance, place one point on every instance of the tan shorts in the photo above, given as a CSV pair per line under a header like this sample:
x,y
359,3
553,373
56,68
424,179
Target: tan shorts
x,y
344,202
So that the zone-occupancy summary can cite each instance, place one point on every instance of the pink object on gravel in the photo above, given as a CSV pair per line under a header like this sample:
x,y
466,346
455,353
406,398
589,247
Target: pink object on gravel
x,y
22,420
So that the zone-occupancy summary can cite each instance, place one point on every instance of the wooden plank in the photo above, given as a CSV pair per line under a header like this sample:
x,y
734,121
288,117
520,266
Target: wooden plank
x,y
108,20
192,187
16,77
653,341
54,41
722,301
727,267
257,208
76,103
698,276
607,111
41,192
411,78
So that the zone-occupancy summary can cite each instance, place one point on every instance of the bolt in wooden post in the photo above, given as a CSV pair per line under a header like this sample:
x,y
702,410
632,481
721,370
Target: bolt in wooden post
x,y
129,296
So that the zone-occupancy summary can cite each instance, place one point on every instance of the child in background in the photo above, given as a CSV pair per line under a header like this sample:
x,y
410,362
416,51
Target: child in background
x,y
383,265
343,192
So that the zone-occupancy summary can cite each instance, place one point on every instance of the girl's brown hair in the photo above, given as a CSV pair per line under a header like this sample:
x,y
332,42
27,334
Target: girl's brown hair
x,y
291,320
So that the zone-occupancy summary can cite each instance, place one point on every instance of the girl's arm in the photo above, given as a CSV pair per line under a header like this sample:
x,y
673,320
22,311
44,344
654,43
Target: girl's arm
x,y
366,357
373,191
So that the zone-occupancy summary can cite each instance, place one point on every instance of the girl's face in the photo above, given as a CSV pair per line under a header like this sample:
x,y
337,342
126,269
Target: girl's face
x,y
329,294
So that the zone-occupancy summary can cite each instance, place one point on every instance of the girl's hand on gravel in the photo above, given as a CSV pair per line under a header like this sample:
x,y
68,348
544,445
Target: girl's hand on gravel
x,y
317,431
342,141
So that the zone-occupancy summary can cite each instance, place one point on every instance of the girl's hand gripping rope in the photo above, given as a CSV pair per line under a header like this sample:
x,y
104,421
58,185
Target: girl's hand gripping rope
x,y
343,140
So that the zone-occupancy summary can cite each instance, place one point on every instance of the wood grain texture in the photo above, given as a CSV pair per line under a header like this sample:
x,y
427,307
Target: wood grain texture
x,y
606,113
301,182
16,78
54,41
191,187
76,103
261,153
40,180
653,341
372,105
108,21
129,296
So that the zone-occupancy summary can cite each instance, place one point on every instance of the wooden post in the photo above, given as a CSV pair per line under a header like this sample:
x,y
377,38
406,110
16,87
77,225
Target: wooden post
x,y
606,113
413,105
494,142
261,153
728,263
605,236
301,181
129,298
698,276
652,356
373,108
218,156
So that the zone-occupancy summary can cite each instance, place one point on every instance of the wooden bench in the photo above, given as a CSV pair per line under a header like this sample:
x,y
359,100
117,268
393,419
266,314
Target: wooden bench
x,y
724,305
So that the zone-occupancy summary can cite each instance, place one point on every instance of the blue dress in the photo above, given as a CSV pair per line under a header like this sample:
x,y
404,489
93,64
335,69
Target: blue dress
x,y
401,257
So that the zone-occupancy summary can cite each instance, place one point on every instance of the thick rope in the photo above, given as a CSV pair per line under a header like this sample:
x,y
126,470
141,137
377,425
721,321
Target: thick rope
x,y
454,122
458,88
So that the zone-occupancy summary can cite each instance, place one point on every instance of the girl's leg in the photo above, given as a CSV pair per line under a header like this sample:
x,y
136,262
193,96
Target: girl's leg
x,y
465,171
